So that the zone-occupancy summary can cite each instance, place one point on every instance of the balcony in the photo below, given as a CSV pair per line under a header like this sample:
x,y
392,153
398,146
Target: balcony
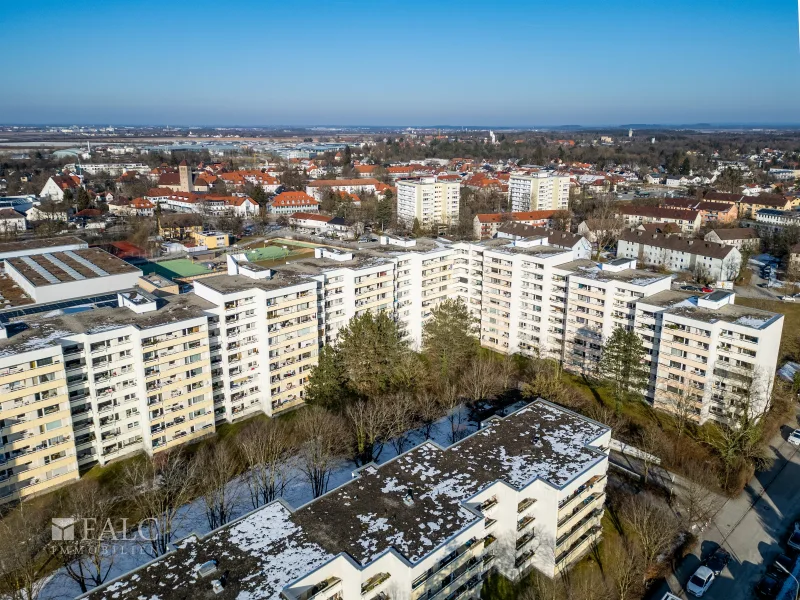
x,y
373,582
581,490
525,504
577,547
524,522
445,562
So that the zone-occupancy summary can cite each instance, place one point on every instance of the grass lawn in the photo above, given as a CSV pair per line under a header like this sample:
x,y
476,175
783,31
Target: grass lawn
x,y
791,322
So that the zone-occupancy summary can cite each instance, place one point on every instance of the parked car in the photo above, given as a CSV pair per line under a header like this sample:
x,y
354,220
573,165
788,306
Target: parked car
x,y
717,561
788,298
768,587
690,288
706,290
794,437
787,562
700,581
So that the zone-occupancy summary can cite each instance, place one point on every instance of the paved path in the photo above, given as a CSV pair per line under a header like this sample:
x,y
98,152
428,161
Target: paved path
x,y
753,527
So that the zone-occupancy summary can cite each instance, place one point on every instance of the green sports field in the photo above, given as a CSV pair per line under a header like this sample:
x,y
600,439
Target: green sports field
x,y
179,267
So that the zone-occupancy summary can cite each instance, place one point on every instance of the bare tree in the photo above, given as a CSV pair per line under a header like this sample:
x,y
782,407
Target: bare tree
x,y
265,448
323,439
680,400
449,398
482,379
89,559
370,422
649,441
216,467
24,559
653,524
699,499
157,487
427,410
624,566
401,420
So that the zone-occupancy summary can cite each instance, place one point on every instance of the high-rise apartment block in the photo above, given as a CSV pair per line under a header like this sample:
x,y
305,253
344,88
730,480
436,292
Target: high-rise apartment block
x,y
91,379
538,191
430,200
524,492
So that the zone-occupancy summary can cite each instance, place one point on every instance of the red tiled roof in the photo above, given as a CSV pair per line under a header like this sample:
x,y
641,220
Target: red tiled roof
x,y
293,199
343,182
534,215
311,216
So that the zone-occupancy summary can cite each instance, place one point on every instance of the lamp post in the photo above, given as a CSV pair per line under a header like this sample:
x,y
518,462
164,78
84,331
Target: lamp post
x,y
796,583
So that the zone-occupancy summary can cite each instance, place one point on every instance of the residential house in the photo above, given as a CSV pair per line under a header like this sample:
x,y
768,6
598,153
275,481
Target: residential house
x,y
707,260
318,224
593,229
353,186
749,206
55,187
710,212
141,207
287,203
485,225
738,237
579,245
688,220
11,221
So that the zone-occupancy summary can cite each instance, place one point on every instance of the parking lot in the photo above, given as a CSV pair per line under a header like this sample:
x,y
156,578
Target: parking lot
x,y
753,527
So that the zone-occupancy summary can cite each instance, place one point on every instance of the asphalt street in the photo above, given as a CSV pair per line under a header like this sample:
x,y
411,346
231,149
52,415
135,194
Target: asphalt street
x,y
753,527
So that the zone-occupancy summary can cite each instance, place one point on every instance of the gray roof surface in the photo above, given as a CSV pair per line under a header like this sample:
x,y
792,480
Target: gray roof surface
x,y
271,547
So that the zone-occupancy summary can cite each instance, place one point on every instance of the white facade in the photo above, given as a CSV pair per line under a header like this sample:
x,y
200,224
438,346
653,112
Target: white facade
x,y
710,358
541,191
430,200
717,262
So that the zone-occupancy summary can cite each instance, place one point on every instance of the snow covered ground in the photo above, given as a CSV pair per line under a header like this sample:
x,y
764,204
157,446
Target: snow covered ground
x,y
192,518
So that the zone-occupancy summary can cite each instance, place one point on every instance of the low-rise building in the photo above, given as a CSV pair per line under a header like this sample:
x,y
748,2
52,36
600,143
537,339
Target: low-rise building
x,y
11,221
774,220
526,492
211,239
688,220
738,237
351,186
709,261
710,212
485,225
287,203
56,186
316,223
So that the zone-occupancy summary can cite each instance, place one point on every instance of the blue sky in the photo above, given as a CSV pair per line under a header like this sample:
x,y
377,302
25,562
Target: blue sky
x,y
396,63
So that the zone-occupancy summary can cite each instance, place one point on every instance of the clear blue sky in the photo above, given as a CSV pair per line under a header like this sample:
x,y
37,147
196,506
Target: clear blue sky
x,y
530,62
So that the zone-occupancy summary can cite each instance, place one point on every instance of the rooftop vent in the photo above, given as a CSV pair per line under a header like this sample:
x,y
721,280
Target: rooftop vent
x,y
207,568
408,499
217,586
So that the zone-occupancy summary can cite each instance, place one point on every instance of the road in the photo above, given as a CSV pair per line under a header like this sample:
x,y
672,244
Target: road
x,y
753,527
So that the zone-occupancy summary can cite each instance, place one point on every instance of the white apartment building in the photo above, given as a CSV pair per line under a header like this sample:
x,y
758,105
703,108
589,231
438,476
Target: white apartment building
x,y
151,373
90,386
430,200
710,260
599,299
525,492
687,220
538,191
110,168
711,358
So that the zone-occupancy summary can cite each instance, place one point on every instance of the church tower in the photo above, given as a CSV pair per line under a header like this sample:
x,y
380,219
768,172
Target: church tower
x,y
186,176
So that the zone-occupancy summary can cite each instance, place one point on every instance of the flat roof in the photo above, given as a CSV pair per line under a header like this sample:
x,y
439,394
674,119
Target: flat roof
x,y
685,304
26,245
35,332
11,294
52,268
273,546
590,270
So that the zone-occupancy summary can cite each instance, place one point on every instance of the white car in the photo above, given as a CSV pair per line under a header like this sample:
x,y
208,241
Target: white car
x,y
700,581
794,437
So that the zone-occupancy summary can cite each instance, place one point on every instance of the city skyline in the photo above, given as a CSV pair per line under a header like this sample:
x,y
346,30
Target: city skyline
x,y
448,64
